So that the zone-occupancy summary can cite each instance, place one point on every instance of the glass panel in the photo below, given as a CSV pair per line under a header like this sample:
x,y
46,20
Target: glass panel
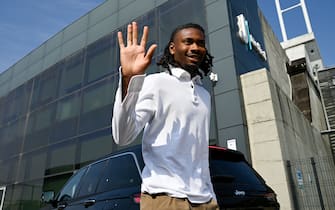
x,y
46,86
69,190
188,11
72,75
95,98
97,106
11,139
94,146
121,172
102,59
67,108
39,128
149,20
66,118
61,158
16,195
2,110
8,171
31,195
33,166
91,179
16,102
10,107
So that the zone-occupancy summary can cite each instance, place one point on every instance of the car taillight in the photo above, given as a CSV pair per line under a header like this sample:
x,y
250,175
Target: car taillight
x,y
271,196
137,198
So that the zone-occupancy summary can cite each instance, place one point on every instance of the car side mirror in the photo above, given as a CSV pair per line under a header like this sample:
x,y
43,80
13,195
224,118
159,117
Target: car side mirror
x,y
47,197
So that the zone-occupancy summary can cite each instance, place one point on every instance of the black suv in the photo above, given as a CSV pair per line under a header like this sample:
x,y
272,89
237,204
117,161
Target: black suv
x,y
114,183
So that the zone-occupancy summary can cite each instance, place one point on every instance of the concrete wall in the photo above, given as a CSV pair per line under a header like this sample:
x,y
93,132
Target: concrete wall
x,y
278,131
317,110
265,145
277,57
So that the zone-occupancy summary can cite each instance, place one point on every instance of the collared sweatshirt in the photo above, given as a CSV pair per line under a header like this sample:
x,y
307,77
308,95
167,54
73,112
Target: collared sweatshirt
x,y
174,111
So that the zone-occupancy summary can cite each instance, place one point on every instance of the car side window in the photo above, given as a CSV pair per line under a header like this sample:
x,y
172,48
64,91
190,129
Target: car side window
x,y
122,172
69,190
91,178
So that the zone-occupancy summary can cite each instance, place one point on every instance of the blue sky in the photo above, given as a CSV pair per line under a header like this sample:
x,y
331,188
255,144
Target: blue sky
x,y
24,25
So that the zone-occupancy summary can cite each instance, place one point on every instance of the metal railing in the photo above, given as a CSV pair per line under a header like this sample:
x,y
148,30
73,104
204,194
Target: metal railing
x,y
312,183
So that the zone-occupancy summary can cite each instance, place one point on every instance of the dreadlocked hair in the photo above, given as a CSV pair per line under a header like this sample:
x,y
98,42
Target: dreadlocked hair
x,y
167,59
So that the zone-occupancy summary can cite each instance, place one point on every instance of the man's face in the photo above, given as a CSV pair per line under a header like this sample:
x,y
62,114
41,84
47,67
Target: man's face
x,y
188,48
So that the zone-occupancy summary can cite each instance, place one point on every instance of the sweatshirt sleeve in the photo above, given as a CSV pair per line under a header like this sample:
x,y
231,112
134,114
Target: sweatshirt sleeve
x,y
131,115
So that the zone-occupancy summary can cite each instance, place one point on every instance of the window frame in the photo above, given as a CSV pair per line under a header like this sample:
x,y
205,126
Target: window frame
x,y
81,172
134,158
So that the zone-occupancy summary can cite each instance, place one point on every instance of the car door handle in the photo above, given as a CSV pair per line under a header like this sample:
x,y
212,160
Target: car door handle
x,y
89,202
61,206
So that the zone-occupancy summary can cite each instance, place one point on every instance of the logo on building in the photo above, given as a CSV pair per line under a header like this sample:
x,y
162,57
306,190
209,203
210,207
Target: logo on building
x,y
247,38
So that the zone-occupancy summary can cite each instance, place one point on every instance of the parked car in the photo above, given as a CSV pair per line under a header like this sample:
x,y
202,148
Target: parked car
x,y
114,183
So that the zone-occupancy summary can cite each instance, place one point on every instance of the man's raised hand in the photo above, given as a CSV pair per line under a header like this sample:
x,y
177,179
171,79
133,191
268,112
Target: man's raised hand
x,y
133,56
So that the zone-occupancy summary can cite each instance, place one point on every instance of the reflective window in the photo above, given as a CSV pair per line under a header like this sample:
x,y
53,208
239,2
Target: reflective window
x,y
66,118
149,20
94,146
97,105
16,102
15,194
72,75
39,127
95,98
121,172
91,179
46,86
31,194
11,138
8,170
101,59
32,166
2,110
68,108
71,187
9,107
188,11
61,158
